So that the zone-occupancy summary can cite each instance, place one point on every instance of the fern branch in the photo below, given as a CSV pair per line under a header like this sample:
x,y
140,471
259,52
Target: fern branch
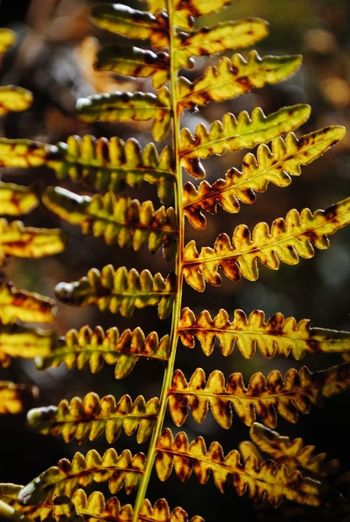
x,y
265,480
275,164
16,199
118,219
92,416
120,291
288,396
289,238
24,342
232,134
277,335
96,347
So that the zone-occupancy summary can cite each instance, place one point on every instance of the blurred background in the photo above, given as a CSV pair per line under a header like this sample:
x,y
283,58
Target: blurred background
x,y
53,58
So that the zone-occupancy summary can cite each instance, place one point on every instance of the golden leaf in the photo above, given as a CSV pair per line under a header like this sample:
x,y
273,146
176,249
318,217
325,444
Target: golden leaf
x,y
13,396
235,76
23,154
287,240
7,39
24,306
118,219
16,199
24,342
14,99
278,335
263,398
262,480
96,347
232,134
186,10
120,291
275,164
92,416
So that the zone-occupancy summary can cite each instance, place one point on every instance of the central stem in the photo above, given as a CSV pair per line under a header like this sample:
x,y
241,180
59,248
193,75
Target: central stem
x,y
167,378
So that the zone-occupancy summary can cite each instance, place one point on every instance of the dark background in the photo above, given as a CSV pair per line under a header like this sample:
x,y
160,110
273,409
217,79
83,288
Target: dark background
x,y
47,60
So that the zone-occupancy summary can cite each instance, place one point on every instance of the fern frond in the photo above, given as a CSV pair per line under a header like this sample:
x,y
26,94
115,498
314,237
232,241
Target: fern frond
x,y
126,106
118,219
186,11
286,241
263,398
277,335
7,39
111,164
293,453
13,396
19,305
24,154
20,241
275,164
16,199
235,76
118,470
95,507
133,61
132,23
266,480
120,290
20,341
232,134
92,416
96,347
231,35
14,99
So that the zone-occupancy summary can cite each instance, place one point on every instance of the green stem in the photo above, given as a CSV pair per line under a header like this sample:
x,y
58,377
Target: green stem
x,y
167,378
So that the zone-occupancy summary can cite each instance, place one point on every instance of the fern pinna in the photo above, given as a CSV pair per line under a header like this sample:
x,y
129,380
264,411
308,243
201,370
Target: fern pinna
x,y
269,467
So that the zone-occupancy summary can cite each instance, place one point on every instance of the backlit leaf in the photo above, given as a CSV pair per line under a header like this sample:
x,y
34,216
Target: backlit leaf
x,y
16,199
126,106
293,452
235,76
263,398
134,61
118,470
13,396
95,507
186,10
230,35
92,416
93,348
110,164
20,241
7,39
288,239
20,341
118,219
23,154
262,480
132,23
120,290
278,335
232,134
14,99
275,164
19,305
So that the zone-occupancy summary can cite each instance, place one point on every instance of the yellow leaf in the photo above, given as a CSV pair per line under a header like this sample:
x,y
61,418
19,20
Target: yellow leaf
x,y
20,241
14,99
232,134
185,11
120,290
16,199
24,306
24,154
262,480
263,398
231,35
118,219
7,39
13,396
278,335
288,239
96,347
20,341
275,164
235,76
